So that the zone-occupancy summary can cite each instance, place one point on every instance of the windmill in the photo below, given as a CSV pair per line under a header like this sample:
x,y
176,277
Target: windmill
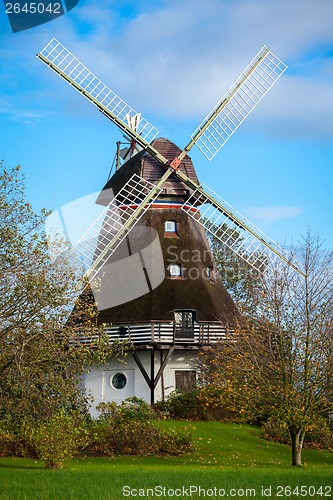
x,y
136,195
131,147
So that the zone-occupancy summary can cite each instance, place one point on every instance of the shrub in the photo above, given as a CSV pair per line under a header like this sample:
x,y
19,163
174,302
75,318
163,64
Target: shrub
x,y
318,433
127,428
107,411
137,438
275,430
216,407
195,405
8,443
58,438
136,409
185,405
130,409
13,443
175,442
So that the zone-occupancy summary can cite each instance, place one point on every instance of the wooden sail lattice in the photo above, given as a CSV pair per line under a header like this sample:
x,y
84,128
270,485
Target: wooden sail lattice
x,y
238,102
103,237
247,241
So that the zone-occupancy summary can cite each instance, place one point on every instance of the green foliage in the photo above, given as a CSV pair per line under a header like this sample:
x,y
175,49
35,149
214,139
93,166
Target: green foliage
x,y
174,441
225,455
194,405
318,434
279,361
7,443
15,444
216,406
58,438
132,408
40,358
127,429
185,405
275,430
136,438
107,411
135,408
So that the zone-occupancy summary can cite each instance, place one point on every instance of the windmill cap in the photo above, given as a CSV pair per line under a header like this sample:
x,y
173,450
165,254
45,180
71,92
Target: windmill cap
x,y
151,170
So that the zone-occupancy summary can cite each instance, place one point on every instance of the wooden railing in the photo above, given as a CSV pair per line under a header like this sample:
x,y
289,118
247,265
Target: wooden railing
x,y
162,333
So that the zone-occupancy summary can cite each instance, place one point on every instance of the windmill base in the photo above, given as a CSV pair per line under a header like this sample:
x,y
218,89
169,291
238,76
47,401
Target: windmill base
x,y
163,360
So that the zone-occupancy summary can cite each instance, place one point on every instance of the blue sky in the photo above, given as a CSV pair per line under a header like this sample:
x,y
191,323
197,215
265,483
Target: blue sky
x,y
173,60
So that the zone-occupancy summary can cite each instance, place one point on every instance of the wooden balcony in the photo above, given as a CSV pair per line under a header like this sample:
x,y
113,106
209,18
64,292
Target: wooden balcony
x,y
164,334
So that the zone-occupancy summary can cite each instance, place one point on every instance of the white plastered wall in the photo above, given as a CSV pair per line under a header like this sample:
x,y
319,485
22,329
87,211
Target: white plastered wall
x,y
98,380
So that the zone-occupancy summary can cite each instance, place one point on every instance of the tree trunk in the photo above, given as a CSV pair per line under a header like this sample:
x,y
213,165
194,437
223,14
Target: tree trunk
x,y
297,438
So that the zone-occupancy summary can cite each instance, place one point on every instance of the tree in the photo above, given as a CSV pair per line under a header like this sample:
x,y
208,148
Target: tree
x,y
40,361
279,363
239,277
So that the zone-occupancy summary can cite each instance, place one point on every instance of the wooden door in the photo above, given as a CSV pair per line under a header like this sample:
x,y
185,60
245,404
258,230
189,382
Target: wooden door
x,y
185,380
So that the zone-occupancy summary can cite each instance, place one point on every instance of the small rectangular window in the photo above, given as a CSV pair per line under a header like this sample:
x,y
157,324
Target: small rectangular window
x,y
184,325
185,318
170,226
185,380
210,273
175,270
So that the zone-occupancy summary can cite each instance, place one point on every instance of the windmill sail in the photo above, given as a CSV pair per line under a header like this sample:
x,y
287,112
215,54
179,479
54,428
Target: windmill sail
x,y
110,228
236,232
66,65
238,102
233,230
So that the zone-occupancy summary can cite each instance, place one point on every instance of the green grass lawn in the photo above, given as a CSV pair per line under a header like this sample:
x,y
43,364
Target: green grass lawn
x,y
229,461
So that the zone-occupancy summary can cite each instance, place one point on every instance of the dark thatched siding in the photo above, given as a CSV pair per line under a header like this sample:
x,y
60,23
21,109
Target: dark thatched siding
x,y
188,248
144,165
194,290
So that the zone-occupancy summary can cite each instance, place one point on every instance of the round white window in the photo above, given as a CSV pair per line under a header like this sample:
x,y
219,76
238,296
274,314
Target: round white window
x,y
118,381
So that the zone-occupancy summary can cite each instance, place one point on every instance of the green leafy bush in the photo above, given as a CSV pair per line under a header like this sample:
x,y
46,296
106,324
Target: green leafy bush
x,y
14,443
127,428
132,408
185,405
192,405
58,438
275,430
136,409
318,434
107,411
175,442
8,443
136,438
216,406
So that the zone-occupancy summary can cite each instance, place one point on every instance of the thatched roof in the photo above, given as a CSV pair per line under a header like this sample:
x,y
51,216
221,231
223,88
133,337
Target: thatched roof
x,y
188,248
150,169
194,290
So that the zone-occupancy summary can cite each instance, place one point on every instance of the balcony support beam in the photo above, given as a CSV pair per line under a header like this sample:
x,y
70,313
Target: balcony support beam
x,y
151,380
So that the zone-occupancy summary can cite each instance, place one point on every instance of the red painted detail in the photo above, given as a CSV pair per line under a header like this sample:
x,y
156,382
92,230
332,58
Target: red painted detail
x,y
175,163
133,207
171,235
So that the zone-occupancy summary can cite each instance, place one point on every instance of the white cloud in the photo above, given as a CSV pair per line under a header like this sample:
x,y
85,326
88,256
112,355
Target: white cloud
x,y
175,60
267,215
29,117
297,108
